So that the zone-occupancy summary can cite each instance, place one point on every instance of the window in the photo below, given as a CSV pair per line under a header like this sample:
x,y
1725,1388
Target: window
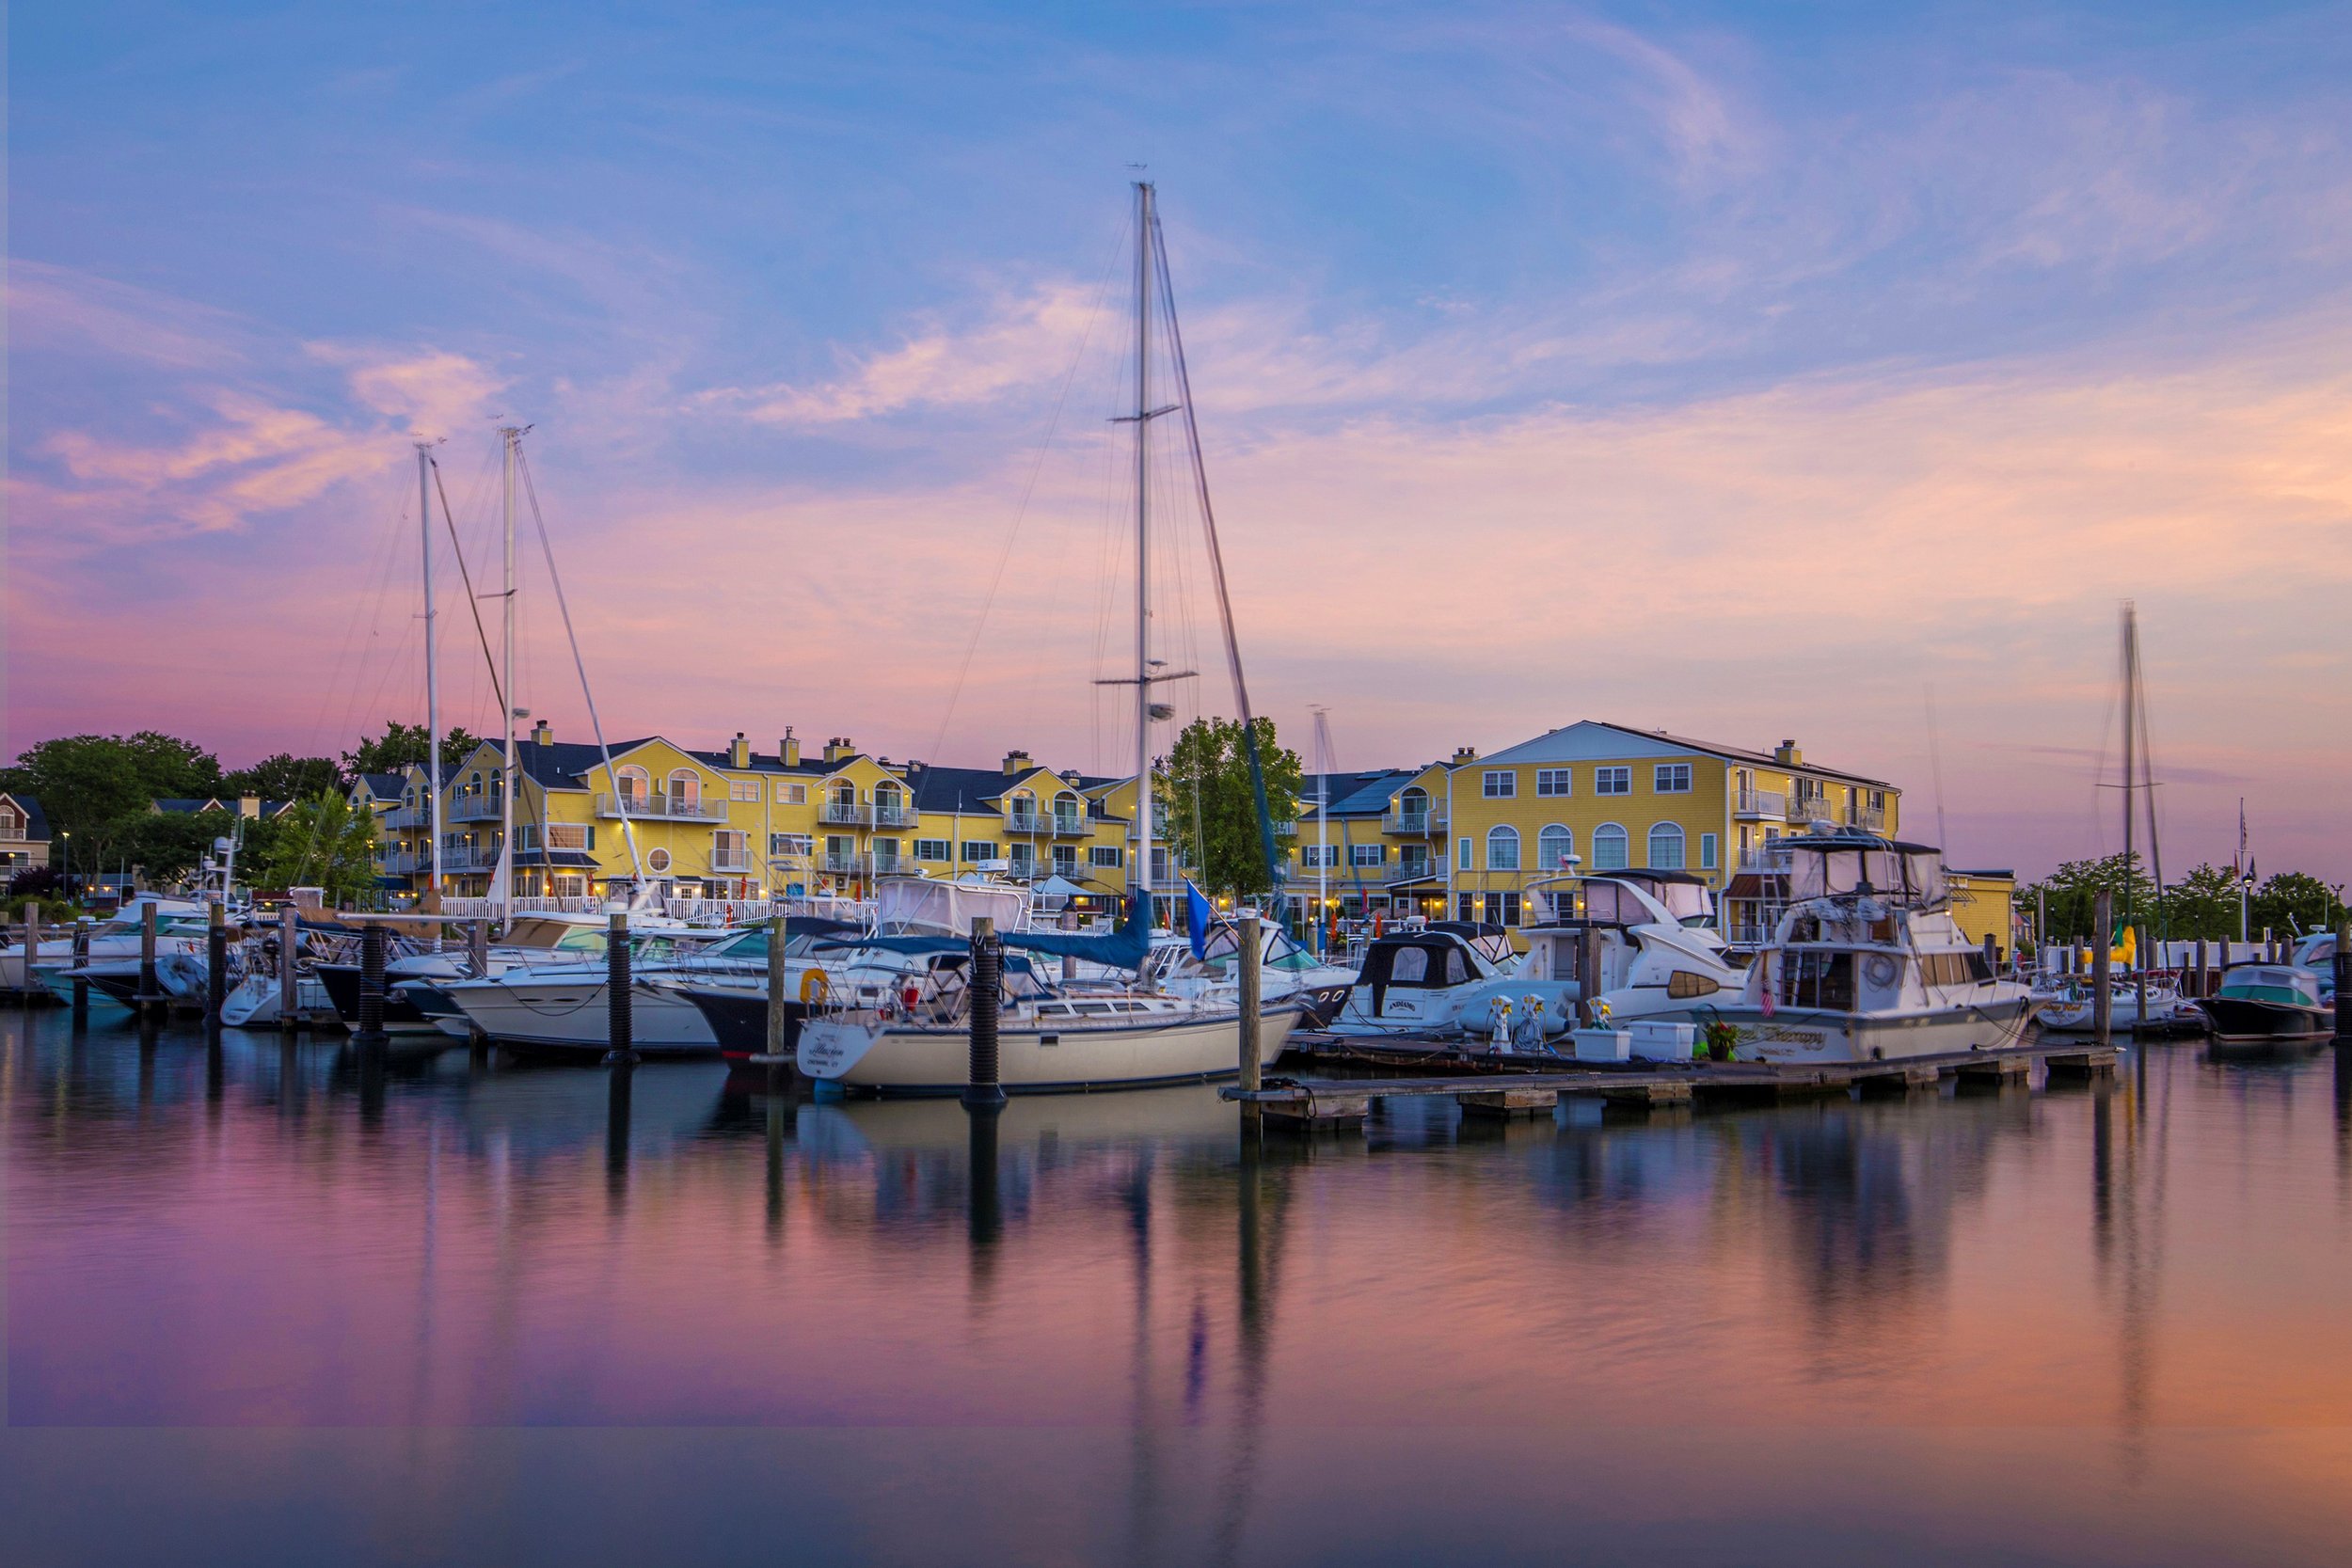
x,y
656,859
1314,856
1553,847
930,848
1612,780
1501,784
1671,778
1609,847
1409,966
1665,847
743,789
1682,985
1367,854
791,794
1503,850
1706,852
978,850
685,788
1501,909
1464,849
1555,781
789,844
570,835
636,786
1105,855
1815,979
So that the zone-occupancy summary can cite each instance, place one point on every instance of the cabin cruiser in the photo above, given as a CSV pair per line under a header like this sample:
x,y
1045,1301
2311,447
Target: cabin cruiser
x,y
1867,964
2266,1001
1450,978
414,973
1208,968
562,1006
1660,956
111,963
2069,1007
1052,1035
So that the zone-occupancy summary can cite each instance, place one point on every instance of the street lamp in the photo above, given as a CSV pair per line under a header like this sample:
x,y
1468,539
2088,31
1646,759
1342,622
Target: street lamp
x,y
65,836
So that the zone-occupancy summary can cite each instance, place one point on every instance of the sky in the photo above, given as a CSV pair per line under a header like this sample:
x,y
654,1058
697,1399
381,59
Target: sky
x,y
1826,372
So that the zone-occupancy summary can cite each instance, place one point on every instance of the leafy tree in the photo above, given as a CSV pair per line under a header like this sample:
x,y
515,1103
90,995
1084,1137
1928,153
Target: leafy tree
x,y
167,846
172,768
1209,810
2202,904
2289,901
321,842
404,745
89,786
2071,892
284,777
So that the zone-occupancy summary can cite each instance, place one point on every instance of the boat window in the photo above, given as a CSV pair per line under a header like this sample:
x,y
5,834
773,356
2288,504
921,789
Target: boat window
x,y
1053,1009
1093,1009
1456,967
1685,984
1813,980
1409,966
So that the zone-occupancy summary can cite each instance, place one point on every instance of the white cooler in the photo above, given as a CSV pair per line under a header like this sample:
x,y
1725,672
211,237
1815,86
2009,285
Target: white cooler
x,y
1663,1042
1603,1045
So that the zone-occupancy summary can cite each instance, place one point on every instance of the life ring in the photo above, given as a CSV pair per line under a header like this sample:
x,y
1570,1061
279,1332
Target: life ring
x,y
815,988
1880,969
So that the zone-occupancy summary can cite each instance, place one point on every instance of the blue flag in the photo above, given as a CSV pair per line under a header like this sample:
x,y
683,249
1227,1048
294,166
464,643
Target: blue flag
x,y
1197,917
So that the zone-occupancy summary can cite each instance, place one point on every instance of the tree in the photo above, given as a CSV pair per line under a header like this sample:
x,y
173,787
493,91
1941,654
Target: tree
x,y
88,785
2070,890
172,768
2202,904
321,842
404,745
1209,810
2289,901
167,846
284,777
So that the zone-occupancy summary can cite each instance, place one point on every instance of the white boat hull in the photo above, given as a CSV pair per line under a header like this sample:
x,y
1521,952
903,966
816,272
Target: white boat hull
x,y
860,1055
1800,1037
572,1014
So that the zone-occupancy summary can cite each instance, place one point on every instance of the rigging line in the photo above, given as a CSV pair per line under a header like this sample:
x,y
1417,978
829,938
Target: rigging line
x,y
1935,771
628,833
2147,782
1003,559
1216,554
474,605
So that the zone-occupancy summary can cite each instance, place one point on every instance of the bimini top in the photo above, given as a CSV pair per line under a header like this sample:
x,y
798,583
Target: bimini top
x,y
1847,863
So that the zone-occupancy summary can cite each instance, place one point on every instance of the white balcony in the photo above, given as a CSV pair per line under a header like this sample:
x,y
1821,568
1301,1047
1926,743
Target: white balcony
x,y
731,860
1415,824
1404,871
408,816
472,808
654,807
900,815
844,813
1769,805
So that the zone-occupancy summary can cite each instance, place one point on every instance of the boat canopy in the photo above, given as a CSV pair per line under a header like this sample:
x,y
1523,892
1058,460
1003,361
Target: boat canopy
x,y
1830,866
931,904
2267,983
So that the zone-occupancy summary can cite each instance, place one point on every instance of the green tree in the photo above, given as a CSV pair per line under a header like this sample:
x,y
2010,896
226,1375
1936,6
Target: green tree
x,y
167,846
2202,904
321,842
172,768
404,745
1209,810
284,777
2070,893
89,786
2291,901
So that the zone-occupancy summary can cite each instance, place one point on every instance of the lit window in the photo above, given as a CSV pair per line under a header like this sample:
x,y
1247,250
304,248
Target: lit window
x,y
791,794
743,789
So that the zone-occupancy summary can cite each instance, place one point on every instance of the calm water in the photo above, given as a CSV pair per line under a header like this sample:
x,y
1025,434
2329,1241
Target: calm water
x,y
264,1307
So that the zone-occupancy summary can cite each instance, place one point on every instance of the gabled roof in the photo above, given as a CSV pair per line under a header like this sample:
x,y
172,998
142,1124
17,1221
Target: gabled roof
x,y
384,786
1597,739
1355,794
182,807
36,820
950,789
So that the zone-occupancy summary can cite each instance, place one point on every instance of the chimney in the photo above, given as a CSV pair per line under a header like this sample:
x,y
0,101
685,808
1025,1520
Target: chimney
x,y
839,748
1787,755
540,733
1464,755
788,750
740,754
1016,762
249,807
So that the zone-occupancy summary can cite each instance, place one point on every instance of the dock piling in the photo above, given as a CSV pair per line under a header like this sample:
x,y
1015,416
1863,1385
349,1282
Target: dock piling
x,y
620,1035
2344,981
1251,984
478,947
371,1031
151,995
777,997
2101,959
32,951
215,966
2197,985
289,987
81,961
1588,977
981,1087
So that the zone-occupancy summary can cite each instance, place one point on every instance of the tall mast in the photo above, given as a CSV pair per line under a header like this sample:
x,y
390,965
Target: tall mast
x,y
513,436
1143,541
432,669
1323,825
2131,673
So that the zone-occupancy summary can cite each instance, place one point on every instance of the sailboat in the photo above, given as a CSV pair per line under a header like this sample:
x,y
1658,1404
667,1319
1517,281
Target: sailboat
x,y
1057,1035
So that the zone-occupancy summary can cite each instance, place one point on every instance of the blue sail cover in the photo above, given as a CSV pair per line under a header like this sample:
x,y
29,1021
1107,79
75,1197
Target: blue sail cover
x,y
1199,917
1124,948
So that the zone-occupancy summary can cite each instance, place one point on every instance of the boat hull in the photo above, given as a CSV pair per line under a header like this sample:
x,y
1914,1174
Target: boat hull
x,y
1032,1060
739,1022
1798,1037
570,1017
341,982
2247,1019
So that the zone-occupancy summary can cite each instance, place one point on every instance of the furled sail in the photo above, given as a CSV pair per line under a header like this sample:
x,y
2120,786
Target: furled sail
x,y
1125,948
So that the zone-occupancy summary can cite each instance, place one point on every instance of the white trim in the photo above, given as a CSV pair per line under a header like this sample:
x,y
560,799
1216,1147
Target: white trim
x,y
1619,828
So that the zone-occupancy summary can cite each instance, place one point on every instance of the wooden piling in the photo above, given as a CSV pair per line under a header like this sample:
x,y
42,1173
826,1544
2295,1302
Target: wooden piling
x,y
983,1083
288,991
1246,930
2197,985
2344,982
32,952
778,998
370,1035
2101,958
620,1045
151,992
81,961
1588,977
216,965
478,947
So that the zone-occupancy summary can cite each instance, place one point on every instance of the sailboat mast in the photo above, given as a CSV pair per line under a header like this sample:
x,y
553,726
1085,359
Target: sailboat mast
x,y
432,668
506,683
1143,541
2127,770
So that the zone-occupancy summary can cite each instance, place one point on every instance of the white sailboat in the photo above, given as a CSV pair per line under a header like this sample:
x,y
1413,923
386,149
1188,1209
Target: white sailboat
x,y
1069,1034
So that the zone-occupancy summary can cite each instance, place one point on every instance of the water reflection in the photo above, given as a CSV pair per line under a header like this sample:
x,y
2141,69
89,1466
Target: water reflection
x,y
270,1234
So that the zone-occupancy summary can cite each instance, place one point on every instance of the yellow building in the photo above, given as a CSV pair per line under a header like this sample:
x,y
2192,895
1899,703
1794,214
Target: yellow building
x,y
740,824
1984,904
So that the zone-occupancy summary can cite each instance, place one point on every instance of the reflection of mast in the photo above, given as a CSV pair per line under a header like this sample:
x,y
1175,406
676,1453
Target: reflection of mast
x,y
1257,1272
2128,1230
1143,1496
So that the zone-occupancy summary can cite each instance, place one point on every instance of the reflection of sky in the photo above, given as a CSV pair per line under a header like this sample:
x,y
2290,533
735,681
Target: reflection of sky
x,y
2030,312
177,1258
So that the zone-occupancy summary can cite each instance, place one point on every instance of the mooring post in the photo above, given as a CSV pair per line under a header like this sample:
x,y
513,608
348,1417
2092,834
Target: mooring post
x,y
151,994
1588,977
32,950
371,1030
478,948
981,1085
2270,947
2344,982
777,992
1252,981
2141,950
2101,959
620,1033
289,994
2197,987
81,962
216,965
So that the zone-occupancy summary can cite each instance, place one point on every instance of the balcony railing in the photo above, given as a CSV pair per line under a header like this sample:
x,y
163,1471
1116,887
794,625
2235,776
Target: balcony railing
x,y
467,857
844,813
842,866
1414,824
474,808
402,862
675,808
1772,804
408,816
1765,860
902,815
1407,871
731,860
1031,822
1871,819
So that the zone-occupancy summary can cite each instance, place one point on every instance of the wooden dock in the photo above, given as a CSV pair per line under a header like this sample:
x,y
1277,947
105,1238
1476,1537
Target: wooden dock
x,y
1529,1085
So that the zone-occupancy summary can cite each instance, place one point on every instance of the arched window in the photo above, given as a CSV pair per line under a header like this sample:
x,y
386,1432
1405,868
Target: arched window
x,y
843,794
1665,847
636,786
1412,808
1021,806
685,788
1609,847
1503,850
1553,847
888,795
496,783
